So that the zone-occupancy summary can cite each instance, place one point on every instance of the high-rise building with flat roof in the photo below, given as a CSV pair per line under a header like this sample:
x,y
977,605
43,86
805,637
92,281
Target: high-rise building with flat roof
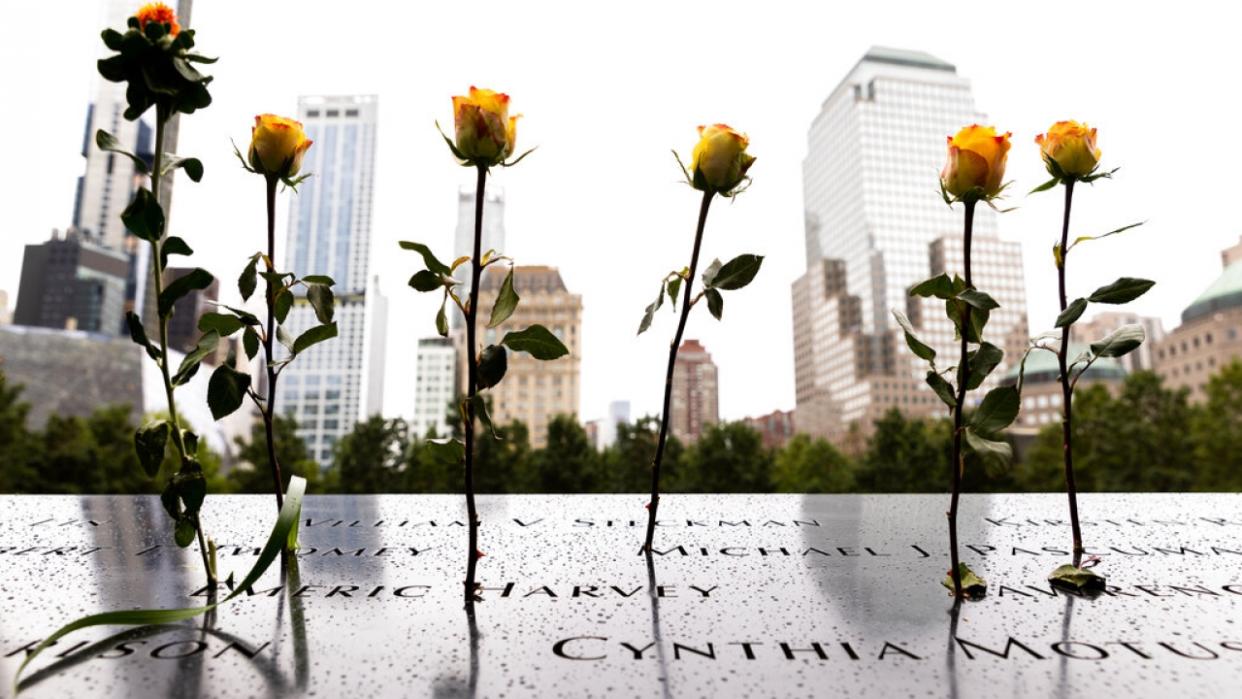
x,y
435,386
696,395
875,226
1210,335
339,382
72,282
532,391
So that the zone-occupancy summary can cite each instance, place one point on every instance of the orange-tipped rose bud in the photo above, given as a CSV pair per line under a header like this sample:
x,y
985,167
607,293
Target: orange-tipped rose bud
x,y
1072,147
976,165
485,134
719,161
158,12
277,145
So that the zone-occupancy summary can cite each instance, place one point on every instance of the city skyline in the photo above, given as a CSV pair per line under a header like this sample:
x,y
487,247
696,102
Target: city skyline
x,y
553,198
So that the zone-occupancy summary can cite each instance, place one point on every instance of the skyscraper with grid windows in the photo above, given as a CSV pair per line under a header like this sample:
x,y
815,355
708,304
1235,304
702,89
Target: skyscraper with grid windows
x,y
340,382
876,225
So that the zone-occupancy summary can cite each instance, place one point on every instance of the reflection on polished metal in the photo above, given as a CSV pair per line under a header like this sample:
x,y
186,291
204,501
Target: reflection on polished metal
x,y
777,595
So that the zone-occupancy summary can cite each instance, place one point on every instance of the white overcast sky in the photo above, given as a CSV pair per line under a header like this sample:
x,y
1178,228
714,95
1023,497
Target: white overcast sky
x,y
606,90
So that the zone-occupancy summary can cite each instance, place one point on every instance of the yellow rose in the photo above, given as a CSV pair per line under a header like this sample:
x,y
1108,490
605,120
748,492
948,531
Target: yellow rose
x,y
1072,147
976,164
277,145
485,133
160,13
719,161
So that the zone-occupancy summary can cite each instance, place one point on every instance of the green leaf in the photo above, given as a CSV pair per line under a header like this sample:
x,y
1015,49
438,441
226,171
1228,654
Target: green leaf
x,y
942,388
248,280
192,488
1121,341
997,411
921,350
715,302
978,319
737,273
282,305
1115,231
1054,168
173,245
991,452
190,440
1123,290
425,280
506,302
452,146
207,344
1047,185
184,532
973,586
480,410
537,341
144,216
429,258
313,336
108,142
321,299
939,286
250,342
981,362
442,317
319,279
649,312
277,541
223,324
226,390
1072,312
673,288
246,317
284,338
447,450
197,279
193,166
978,299
709,274
139,335
493,362
1079,579
170,500
149,443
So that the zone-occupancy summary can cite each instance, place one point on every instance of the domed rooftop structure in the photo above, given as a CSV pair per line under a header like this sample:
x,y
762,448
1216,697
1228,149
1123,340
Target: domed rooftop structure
x,y
1225,292
1042,366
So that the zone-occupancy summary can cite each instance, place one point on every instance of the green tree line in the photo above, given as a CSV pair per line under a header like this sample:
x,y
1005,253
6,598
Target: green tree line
x,y
1145,438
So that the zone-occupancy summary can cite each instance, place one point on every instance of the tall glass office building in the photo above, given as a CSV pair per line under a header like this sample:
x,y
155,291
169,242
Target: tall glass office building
x,y
875,225
339,382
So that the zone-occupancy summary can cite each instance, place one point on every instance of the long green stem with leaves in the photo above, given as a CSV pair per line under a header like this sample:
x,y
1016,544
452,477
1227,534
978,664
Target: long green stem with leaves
x,y
268,408
654,505
1067,388
157,274
472,386
963,381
